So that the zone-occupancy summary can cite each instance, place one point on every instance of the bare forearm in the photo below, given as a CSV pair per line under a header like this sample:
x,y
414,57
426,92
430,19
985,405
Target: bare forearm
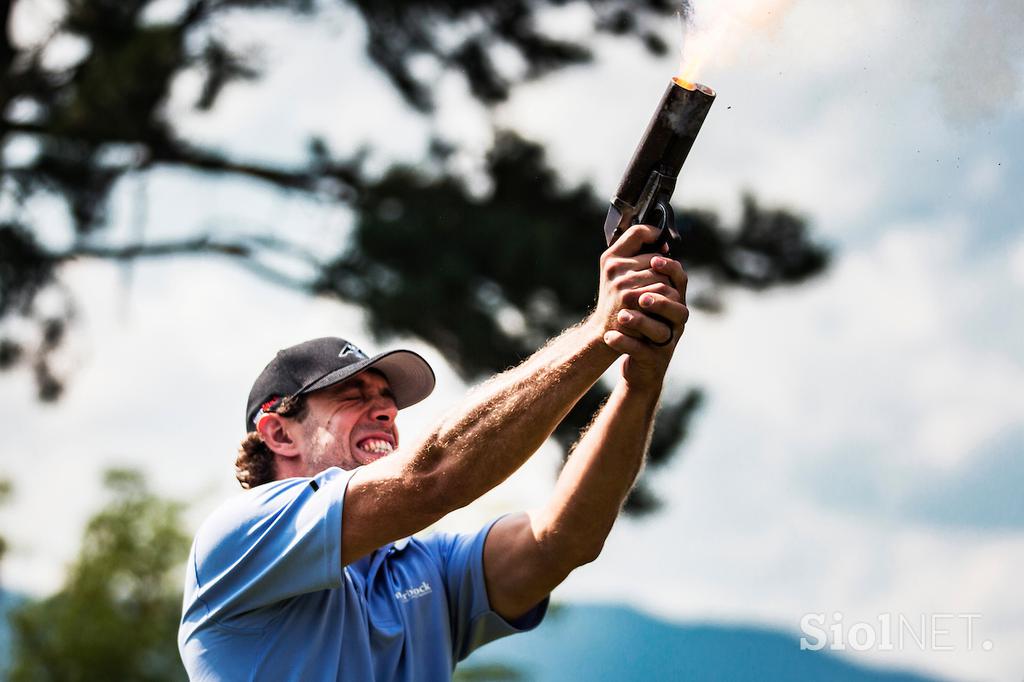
x,y
598,475
527,555
505,420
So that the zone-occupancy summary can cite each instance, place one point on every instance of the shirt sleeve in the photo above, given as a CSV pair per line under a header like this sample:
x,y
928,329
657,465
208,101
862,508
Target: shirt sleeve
x,y
473,621
273,543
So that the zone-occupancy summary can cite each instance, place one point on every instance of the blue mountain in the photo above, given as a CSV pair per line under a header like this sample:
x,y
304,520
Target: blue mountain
x,y
618,644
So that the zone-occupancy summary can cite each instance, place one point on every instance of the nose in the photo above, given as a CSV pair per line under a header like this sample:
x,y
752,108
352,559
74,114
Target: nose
x,y
383,409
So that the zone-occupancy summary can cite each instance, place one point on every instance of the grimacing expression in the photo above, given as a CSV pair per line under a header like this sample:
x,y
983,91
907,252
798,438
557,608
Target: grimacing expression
x,y
351,423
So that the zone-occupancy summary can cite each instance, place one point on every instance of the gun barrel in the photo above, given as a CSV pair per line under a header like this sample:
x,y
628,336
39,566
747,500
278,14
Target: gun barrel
x,y
668,138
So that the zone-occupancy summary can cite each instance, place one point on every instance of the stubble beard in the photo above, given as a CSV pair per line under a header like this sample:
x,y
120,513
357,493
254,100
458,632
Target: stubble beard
x,y
328,452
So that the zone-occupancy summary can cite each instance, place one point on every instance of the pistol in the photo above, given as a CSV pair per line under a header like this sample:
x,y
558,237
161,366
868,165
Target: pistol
x,y
646,187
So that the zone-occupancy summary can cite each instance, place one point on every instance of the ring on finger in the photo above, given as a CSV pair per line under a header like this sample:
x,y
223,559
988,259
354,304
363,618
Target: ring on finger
x,y
671,335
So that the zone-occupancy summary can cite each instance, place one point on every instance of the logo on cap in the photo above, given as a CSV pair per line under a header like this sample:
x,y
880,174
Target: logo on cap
x,y
350,349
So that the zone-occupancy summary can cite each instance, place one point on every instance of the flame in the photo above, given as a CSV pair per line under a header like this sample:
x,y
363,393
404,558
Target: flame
x,y
700,45
725,32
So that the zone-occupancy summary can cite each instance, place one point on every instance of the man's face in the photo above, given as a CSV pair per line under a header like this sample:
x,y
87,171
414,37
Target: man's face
x,y
350,424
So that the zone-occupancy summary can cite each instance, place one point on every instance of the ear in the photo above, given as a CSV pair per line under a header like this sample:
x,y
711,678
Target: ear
x,y
276,433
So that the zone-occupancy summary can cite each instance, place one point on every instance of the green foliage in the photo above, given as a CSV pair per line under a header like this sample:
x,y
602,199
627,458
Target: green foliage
x,y
116,617
401,31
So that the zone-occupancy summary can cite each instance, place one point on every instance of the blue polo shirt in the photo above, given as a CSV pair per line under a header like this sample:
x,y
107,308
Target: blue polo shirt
x,y
266,596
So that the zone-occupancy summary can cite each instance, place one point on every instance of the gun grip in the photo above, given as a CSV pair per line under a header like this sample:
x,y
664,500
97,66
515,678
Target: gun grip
x,y
660,215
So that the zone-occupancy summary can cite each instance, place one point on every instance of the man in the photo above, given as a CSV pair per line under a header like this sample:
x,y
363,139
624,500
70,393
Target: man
x,y
311,574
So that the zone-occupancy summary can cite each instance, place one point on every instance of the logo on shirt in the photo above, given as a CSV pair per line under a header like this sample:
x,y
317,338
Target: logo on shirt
x,y
422,590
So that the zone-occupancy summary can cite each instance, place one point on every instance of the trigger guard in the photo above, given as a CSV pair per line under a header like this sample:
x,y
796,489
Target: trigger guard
x,y
667,226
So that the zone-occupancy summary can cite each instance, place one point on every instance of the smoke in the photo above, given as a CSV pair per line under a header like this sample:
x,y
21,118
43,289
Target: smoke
x,y
685,13
981,69
718,32
978,69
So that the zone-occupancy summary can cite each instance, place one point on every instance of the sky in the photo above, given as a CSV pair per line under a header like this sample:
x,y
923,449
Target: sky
x,y
860,452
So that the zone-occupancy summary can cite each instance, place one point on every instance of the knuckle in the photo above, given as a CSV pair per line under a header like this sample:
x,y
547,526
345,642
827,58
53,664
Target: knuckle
x,y
663,289
611,266
635,278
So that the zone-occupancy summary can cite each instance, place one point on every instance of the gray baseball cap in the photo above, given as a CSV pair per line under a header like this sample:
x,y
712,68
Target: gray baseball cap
x,y
323,362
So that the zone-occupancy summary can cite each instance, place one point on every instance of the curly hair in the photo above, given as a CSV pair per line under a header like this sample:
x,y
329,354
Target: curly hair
x,y
255,462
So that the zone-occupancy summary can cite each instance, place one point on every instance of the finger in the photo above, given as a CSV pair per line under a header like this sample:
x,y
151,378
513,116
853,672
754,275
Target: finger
x,y
617,265
633,239
640,324
642,279
622,343
672,269
664,307
631,298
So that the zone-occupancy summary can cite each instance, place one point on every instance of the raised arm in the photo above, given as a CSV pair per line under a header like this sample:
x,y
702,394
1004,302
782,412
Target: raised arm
x,y
528,554
504,421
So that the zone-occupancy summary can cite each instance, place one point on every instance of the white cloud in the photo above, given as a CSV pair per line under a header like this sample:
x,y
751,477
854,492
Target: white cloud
x,y
32,23
979,70
985,177
1017,263
872,350
316,79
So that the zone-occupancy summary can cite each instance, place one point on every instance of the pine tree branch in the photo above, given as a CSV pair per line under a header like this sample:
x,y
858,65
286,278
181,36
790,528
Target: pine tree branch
x,y
167,151
242,253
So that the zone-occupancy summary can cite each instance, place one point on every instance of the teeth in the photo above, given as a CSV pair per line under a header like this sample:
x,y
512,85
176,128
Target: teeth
x,y
376,446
